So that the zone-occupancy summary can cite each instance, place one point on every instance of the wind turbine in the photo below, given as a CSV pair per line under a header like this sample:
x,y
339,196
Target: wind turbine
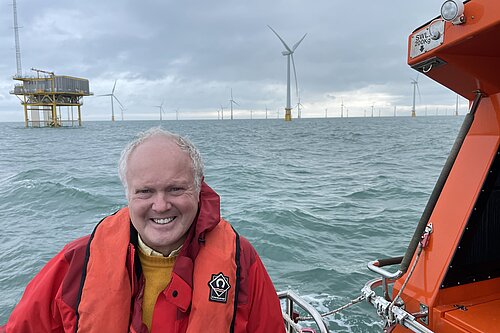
x,y
222,111
299,110
232,101
122,109
112,96
289,54
415,88
161,110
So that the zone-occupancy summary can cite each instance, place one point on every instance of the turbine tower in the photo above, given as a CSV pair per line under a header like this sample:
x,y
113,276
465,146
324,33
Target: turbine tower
x,y
161,109
122,109
112,96
299,110
232,101
289,54
415,89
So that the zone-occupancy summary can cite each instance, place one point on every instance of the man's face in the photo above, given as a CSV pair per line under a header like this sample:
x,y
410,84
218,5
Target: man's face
x,y
163,201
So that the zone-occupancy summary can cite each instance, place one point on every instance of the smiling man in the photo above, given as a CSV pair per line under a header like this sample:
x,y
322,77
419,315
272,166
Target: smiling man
x,y
166,263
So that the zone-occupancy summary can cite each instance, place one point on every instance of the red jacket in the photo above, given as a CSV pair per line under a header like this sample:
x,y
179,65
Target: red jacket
x,y
51,299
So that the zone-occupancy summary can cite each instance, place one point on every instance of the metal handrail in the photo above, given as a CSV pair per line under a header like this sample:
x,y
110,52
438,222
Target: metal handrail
x,y
376,266
387,277
292,298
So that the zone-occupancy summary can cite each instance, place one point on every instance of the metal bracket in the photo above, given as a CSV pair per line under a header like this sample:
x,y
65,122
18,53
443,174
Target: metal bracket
x,y
423,316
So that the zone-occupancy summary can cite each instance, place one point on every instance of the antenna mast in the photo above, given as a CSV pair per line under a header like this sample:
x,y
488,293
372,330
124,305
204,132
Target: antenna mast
x,y
16,34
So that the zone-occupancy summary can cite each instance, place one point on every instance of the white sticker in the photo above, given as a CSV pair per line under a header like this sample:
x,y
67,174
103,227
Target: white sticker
x,y
427,38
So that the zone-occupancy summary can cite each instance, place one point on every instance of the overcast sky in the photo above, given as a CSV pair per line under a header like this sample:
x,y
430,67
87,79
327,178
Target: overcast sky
x,y
190,54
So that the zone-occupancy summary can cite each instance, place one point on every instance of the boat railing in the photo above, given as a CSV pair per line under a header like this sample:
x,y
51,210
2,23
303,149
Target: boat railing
x,y
393,313
291,301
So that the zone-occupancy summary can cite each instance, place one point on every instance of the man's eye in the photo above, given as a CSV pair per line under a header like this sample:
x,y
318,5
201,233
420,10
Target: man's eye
x,y
143,191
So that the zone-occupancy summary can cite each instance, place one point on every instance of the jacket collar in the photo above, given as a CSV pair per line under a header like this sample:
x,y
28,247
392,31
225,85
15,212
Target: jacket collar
x,y
207,218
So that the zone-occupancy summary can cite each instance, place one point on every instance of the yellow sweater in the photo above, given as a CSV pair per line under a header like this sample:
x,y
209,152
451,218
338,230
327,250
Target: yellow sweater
x,y
157,273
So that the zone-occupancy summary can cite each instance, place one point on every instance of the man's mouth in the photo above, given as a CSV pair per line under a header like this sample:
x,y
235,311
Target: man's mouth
x,y
164,221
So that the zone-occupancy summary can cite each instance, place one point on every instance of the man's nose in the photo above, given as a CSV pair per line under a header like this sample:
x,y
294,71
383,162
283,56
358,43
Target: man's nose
x,y
161,202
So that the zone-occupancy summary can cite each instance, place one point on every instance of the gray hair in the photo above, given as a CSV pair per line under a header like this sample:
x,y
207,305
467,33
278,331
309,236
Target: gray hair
x,y
184,144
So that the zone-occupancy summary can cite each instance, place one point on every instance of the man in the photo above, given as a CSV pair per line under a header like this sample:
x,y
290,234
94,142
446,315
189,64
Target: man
x,y
165,263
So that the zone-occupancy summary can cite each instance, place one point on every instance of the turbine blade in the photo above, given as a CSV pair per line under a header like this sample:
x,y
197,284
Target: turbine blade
x,y
114,86
419,96
281,39
103,95
295,76
118,101
297,44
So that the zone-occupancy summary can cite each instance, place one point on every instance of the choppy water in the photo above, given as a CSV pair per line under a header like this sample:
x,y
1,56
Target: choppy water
x,y
318,198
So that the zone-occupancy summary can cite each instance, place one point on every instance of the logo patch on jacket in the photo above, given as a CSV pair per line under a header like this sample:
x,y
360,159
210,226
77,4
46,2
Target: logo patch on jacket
x,y
219,287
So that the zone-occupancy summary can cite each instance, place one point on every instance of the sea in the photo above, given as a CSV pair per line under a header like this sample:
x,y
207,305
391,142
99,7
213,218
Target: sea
x,y
317,198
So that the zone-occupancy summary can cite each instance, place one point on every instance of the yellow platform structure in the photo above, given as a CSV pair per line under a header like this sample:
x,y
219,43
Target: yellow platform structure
x,y
50,100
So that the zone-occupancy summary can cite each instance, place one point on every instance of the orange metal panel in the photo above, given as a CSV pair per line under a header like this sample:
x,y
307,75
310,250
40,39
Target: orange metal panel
x,y
479,318
444,326
487,121
451,214
450,217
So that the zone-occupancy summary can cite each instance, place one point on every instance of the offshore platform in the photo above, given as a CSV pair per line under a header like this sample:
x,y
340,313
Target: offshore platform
x,y
48,100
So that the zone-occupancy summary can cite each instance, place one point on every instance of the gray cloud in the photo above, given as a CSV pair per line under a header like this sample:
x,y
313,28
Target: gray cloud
x,y
191,53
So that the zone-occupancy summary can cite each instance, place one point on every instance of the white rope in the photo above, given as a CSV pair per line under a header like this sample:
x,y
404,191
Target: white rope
x,y
410,273
420,248
296,327
343,307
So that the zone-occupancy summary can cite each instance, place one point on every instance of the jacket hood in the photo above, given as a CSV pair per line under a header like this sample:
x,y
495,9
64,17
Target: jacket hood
x,y
209,210
207,218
